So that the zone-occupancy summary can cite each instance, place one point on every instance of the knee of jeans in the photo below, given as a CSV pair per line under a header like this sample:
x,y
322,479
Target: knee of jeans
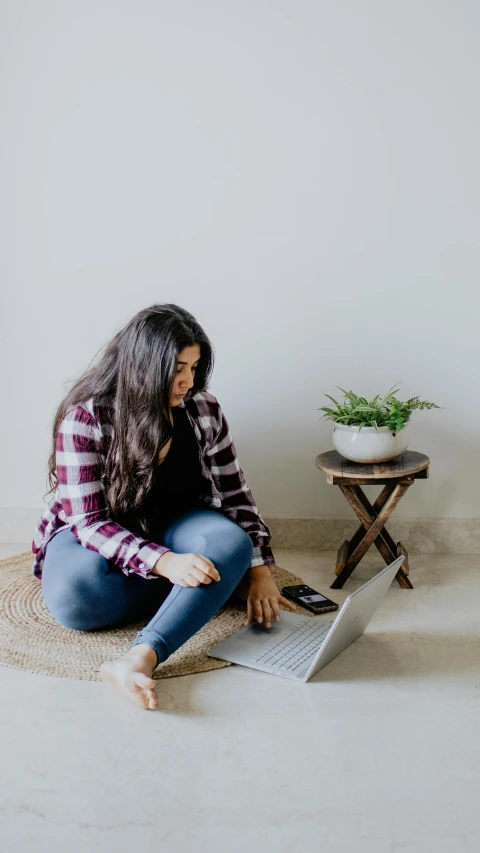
x,y
68,611
226,543
241,547
76,621
69,599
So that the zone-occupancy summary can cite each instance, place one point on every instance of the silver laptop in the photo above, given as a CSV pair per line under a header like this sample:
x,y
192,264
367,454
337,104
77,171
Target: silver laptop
x,y
298,646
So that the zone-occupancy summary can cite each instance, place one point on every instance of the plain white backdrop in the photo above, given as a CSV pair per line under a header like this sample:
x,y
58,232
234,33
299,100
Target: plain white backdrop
x,y
300,175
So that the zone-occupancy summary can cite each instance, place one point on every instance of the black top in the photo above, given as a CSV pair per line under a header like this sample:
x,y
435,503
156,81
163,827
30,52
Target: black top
x,y
178,480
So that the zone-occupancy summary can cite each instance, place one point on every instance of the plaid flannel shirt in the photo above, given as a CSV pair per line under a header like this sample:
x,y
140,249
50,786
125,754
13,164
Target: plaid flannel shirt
x,y
80,501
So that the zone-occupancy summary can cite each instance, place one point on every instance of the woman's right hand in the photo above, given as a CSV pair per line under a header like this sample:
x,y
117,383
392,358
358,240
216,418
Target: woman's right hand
x,y
186,569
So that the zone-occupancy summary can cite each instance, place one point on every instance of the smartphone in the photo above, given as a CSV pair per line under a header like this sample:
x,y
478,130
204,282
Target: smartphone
x,y
309,598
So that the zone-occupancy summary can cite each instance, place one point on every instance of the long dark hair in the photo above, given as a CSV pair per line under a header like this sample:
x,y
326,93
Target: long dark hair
x,y
133,381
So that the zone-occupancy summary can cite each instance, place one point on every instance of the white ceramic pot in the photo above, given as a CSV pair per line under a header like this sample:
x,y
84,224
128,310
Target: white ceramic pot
x,y
369,444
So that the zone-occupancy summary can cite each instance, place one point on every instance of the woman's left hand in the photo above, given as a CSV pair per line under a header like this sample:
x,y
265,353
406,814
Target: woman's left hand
x,y
264,598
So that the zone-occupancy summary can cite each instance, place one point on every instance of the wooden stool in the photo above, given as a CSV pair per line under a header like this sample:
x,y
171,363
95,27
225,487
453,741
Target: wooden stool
x,y
396,476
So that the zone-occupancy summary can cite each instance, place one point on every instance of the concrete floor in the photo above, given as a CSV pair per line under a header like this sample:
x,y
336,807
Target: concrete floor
x,y
379,753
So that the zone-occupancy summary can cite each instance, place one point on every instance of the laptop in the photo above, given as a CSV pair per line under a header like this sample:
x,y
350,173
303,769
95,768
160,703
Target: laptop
x,y
298,646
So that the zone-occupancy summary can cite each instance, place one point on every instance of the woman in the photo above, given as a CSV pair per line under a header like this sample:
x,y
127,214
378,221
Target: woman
x,y
147,487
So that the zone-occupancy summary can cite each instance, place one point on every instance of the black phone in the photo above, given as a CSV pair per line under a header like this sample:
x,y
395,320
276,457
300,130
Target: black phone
x,y
309,598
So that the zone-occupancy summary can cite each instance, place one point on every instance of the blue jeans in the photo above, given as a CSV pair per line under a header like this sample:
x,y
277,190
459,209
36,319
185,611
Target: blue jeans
x,y
86,592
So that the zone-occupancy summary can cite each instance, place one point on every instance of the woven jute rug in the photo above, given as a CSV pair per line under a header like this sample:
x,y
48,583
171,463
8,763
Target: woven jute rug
x,y
31,639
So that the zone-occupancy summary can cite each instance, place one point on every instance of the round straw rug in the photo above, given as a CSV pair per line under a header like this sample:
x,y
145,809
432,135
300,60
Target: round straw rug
x,y
31,639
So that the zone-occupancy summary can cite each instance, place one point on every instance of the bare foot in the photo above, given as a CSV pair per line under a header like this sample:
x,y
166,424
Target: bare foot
x,y
131,675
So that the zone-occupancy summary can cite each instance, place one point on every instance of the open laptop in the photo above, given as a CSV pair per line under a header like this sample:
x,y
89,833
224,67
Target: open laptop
x,y
298,646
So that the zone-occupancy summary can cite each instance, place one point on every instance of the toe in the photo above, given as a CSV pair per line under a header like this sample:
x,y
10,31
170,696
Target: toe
x,y
143,681
152,698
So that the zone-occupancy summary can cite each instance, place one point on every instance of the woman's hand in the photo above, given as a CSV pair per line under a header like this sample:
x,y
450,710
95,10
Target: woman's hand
x,y
186,569
264,597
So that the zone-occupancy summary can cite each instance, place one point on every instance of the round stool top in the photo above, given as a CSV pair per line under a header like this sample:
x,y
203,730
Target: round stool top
x,y
405,465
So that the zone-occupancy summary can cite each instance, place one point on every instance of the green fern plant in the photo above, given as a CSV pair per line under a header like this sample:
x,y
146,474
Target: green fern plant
x,y
381,411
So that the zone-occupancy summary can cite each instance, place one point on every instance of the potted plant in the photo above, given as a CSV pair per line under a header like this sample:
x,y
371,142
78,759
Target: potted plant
x,y
375,430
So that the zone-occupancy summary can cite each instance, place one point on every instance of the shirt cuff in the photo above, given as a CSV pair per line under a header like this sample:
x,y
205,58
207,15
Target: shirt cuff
x,y
145,559
262,556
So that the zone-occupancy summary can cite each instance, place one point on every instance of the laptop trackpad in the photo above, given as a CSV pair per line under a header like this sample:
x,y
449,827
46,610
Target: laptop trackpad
x,y
255,633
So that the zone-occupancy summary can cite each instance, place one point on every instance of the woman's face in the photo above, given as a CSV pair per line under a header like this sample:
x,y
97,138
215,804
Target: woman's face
x,y
186,364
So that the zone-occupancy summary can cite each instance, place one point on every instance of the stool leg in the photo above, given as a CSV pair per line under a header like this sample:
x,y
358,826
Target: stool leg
x,y
348,546
384,542
402,552
342,556
373,529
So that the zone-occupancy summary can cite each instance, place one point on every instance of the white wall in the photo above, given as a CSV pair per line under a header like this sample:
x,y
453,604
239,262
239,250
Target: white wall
x,y
300,175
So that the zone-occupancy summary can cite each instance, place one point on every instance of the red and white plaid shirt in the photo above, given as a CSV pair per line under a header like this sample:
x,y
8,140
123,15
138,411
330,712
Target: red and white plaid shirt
x,y
80,501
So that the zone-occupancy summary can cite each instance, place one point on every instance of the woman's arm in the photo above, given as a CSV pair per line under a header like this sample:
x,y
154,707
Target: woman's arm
x,y
80,466
237,500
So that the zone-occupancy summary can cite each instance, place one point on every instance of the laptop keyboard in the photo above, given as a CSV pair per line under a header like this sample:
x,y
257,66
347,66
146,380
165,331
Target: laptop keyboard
x,y
291,652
